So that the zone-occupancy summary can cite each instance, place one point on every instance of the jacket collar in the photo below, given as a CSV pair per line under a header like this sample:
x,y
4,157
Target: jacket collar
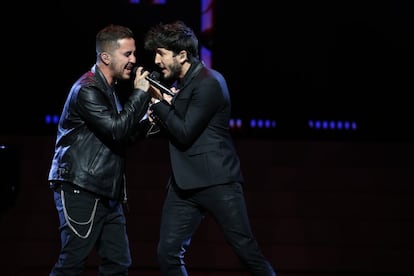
x,y
101,78
191,73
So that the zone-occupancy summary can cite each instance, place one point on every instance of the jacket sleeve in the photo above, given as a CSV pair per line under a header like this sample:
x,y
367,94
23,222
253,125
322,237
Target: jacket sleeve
x,y
102,118
185,125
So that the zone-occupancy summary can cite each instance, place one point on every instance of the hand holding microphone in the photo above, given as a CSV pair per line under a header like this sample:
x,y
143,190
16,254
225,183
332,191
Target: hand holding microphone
x,y
153,79
138,76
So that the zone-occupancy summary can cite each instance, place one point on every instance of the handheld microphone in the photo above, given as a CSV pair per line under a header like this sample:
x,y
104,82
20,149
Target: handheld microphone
x,y
153,79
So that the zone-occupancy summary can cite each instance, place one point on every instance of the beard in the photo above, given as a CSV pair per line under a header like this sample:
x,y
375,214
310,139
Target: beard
x,y
175,71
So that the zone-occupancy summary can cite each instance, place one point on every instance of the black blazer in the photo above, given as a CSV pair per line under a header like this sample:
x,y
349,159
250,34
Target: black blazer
x,y
202,152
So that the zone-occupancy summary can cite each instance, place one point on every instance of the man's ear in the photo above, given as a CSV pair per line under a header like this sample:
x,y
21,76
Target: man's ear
x,y
105,57
182,56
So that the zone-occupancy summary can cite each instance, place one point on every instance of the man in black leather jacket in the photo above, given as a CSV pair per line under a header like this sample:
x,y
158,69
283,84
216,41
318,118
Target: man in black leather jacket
x,y
87,170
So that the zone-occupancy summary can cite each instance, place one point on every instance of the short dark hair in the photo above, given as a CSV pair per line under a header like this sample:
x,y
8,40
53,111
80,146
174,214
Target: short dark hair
x,y
107,38
175,36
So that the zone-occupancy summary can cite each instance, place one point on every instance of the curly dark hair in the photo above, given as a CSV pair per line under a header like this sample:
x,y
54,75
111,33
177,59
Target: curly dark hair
x,y
175,36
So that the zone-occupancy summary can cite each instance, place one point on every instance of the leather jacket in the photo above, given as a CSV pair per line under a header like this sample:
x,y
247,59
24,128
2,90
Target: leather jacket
x,y
92,137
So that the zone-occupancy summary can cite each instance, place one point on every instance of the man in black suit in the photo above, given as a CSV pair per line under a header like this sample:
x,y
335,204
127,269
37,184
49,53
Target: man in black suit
x,y
206,176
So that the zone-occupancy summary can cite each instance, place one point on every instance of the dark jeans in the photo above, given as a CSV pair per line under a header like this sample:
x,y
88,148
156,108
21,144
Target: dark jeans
x,y
98,224
184,210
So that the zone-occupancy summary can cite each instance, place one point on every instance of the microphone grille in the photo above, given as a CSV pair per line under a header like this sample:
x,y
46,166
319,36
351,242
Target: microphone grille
x,y
155,75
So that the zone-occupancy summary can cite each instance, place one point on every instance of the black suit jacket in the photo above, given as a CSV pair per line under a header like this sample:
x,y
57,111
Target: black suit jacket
x,y
202,152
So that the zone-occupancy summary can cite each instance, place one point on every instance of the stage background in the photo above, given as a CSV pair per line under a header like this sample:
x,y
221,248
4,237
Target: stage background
x,y
321,202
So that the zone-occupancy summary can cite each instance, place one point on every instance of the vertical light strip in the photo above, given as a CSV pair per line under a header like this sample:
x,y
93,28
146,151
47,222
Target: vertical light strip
x,y
206,29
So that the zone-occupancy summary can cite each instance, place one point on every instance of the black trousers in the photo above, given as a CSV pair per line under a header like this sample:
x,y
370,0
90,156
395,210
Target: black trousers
x,y
183,212
87,222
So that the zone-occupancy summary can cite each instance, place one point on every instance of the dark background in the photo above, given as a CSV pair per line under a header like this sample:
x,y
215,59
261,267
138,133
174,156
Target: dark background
x,y
290,61
341,208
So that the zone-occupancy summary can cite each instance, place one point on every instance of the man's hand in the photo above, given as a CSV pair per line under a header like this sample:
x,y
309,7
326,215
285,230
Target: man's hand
x,y
140,82
155,93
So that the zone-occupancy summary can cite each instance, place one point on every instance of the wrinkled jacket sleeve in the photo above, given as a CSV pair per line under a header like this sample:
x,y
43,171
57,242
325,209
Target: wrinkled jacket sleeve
x,y
105,121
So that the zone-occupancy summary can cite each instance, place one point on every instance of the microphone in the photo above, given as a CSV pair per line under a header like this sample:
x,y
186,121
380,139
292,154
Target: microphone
x,y
153,79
